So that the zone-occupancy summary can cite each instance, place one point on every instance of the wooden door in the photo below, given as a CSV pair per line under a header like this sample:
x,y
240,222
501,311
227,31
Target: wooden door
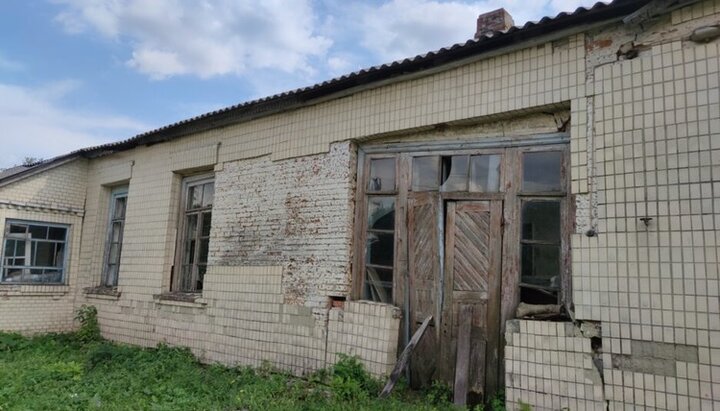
x,y
424,283
471,309
454,275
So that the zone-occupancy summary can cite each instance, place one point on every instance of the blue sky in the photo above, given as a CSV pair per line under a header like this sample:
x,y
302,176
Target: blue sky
x,y
77,73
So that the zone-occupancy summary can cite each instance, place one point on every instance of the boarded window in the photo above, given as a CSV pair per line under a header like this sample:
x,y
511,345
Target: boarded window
x,y
116,228
194,243
34,252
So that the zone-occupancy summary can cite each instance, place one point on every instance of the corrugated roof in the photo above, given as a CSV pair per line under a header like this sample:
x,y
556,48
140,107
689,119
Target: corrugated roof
x,y
365,77
9,172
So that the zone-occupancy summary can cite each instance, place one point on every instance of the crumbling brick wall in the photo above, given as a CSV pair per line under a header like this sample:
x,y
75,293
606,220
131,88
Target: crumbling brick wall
x,y
297,213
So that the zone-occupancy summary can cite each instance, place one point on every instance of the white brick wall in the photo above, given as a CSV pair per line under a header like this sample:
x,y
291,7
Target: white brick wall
x,y
55,196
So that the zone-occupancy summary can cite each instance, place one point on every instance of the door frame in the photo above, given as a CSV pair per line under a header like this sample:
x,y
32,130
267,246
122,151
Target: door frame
x,y
510,182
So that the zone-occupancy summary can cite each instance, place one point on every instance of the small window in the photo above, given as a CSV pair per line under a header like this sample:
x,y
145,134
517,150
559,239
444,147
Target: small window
x,y
194,242
116,228
382,175
542,171
34,253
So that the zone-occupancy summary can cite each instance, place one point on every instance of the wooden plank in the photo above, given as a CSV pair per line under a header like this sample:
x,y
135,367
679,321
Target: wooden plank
x,y
462,361
493,354
477,355
423,277
404,357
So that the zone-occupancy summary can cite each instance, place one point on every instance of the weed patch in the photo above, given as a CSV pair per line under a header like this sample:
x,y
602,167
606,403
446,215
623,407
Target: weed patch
x,y
82,372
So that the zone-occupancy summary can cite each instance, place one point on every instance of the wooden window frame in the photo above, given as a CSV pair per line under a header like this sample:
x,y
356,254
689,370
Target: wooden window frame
x,y
116,194
510,191
26,268
187,183
564,290
362,230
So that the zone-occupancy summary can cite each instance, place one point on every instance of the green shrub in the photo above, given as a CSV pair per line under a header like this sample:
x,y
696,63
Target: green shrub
x,y
99,354
439,393
89,329
12,342
497,401
351,381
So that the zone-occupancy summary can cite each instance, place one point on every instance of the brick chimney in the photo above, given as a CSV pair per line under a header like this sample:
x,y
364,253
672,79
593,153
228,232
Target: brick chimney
x,y
490,22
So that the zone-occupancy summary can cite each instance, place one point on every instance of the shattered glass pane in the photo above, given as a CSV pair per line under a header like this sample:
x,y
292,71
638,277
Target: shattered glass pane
x,y
381,213
455,171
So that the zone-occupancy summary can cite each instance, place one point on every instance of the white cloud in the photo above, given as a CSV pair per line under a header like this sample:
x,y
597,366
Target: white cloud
x,y
404,28
36,123
206,39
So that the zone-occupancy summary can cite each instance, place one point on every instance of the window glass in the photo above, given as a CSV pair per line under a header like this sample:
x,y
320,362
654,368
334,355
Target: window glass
x,y
541,265
485,173
378,285
120,207
380,249
425,173
208,194
16,228
542,171
39,232
382,175
455,173
34,253
381,213
194,197
541,221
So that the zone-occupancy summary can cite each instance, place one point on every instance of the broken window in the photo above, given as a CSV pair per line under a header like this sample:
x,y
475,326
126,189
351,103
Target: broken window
x,y
34,253
541,238
458,173
116,227
193,245
379,233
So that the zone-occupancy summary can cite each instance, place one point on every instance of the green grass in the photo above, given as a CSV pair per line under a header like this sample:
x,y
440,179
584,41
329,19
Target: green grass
x,y
77,372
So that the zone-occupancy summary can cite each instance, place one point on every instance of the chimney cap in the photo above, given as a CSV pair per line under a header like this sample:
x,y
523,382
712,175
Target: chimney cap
x,y
493,21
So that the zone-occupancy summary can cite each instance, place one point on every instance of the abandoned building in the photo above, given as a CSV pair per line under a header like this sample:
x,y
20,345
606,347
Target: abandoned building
x,y
548,194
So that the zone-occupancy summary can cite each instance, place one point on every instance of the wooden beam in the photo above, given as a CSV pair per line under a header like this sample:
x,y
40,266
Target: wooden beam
x,y
404,357
462,361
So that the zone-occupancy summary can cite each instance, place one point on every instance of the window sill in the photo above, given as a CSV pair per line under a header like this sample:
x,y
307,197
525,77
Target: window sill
x,y
26,290
193,300
102,293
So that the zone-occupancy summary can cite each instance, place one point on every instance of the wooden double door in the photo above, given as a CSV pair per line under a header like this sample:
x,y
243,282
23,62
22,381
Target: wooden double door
x,y
454,257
